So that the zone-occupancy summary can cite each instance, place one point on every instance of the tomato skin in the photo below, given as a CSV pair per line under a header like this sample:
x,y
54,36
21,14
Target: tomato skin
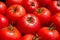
x,y
44,15
27,37
27,25
47,34
44,3
7,34
3,8
3,21
30,5
59,37
12,2
54,8
14,12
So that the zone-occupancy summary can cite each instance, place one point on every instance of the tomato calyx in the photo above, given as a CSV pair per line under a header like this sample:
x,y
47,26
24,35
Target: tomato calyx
x,y
10,27
32,4
30,19
51,27
58,2
14,9
39,10
36,37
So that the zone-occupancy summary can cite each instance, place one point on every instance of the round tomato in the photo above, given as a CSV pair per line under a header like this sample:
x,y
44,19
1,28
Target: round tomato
x,y
47,33
12,2
2,8
3,21
54,7
28,24
43,14
56,21
30,5
10,33
14,12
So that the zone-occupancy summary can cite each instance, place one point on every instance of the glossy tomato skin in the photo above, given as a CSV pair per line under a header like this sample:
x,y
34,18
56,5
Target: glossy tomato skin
x,y
27,37
12,2
54,8
46,34
3,21
14,12
3,8
43,14
56,21
7,34
30,5
28,24
44,3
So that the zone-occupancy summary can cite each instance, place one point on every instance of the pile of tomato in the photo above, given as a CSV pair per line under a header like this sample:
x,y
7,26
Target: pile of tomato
x,y
29,19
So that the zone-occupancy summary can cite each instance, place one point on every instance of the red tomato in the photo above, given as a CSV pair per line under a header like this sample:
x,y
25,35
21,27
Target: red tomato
x,y
56,21
2,8
14,12
43,14
28,37
28,24
3,21
54,7
12,2
44,2
46,33
10,33
30,5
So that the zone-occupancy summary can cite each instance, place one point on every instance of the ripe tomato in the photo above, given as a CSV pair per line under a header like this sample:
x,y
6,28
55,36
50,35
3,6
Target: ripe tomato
x,y
54,7
14,12
3,21
30,5
10,33
28,24
12,2
43,14
56,21
2,8
27,37
46,33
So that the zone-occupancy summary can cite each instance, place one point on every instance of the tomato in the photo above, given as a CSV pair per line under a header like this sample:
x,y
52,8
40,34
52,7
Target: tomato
x,y
27,37
3,8
44,3
56,21
28,24
12,2
30,5
3,21
47,33
10,33
14,12
43,14
54,7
